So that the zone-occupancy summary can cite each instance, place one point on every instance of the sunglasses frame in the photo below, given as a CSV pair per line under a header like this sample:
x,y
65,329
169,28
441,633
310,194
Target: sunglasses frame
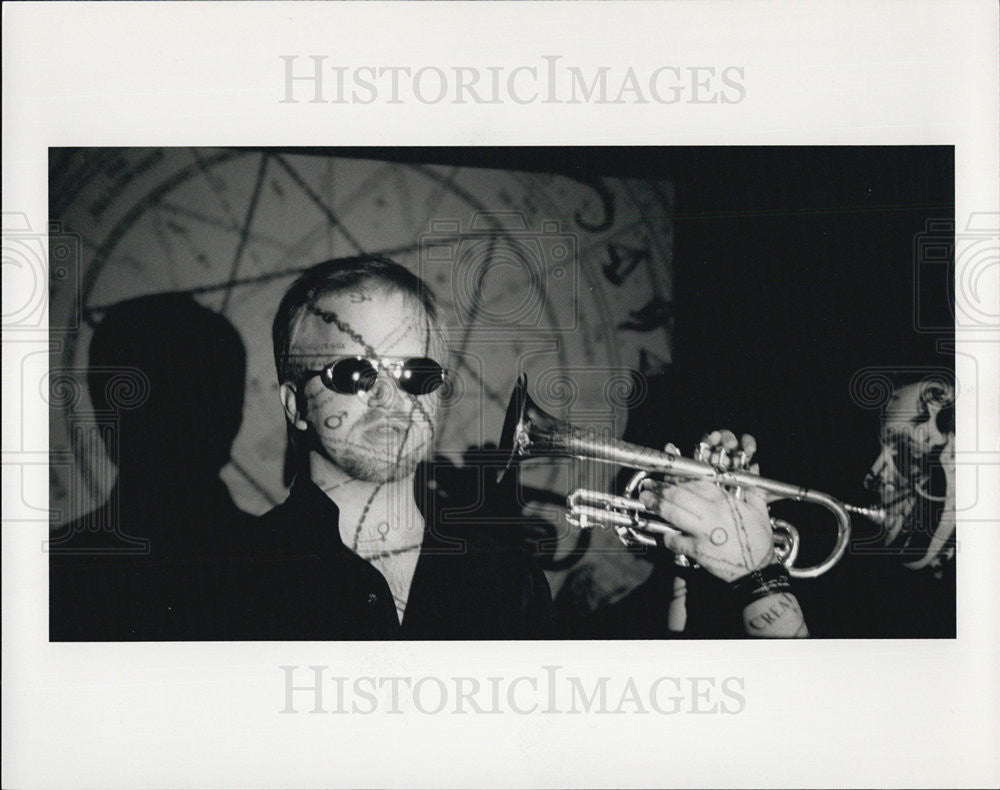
x,y
393,366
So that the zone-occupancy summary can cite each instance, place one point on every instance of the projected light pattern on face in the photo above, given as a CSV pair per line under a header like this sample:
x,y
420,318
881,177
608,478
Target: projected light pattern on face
x,y
563,275
379,434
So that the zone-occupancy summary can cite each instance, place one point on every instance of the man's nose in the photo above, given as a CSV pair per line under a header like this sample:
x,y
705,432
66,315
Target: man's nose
x,y
385,394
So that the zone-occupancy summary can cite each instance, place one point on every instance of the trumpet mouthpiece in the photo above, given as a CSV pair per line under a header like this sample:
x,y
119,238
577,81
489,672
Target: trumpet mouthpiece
x,y
874,514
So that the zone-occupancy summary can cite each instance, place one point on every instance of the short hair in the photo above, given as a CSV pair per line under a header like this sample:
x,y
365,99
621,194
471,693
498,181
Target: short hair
x,y
334,276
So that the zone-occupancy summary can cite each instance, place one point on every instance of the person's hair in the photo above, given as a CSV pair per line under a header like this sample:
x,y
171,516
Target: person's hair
x,y
335,276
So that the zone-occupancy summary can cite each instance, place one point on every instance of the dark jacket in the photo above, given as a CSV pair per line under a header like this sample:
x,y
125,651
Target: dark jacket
x,y
299,581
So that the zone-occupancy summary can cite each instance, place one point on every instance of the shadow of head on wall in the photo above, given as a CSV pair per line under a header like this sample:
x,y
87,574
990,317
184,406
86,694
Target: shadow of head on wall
x,y
191,364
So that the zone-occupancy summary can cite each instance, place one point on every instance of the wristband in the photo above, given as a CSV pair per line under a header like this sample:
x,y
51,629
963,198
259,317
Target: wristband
x,y
761,583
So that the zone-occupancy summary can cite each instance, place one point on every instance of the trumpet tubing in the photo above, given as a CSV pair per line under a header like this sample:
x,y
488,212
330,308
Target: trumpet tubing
x,y
530,432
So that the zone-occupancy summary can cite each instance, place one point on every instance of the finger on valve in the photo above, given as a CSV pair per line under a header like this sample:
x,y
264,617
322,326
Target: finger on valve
x,y
723,450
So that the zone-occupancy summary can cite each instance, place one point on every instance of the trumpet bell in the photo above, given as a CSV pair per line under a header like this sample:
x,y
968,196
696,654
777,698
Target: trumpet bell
x,y
512,424
531,432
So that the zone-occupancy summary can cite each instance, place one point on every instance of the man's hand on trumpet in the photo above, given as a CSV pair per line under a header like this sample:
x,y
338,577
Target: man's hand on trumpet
x,y
728,533
721,449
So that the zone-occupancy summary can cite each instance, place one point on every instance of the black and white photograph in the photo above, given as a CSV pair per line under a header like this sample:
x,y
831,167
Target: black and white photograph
x,y
501,394
410,393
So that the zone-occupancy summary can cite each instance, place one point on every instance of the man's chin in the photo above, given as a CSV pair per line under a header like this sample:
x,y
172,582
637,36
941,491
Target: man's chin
x,y
379,470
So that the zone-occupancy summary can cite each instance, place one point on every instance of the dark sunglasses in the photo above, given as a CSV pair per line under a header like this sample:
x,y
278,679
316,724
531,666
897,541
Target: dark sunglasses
x,y
351,375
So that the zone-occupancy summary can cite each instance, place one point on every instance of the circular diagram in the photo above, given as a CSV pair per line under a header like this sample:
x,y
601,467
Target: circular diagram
x,y
566,280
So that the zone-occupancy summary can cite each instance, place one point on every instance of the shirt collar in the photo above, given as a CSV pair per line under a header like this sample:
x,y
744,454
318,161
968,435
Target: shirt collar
x,y
314,512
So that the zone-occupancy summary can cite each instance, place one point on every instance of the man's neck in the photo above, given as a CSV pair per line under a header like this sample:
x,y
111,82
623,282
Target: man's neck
x,y
378,521
374,517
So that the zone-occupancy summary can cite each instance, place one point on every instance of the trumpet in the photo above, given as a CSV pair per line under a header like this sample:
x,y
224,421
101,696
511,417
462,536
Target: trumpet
x,y
530,432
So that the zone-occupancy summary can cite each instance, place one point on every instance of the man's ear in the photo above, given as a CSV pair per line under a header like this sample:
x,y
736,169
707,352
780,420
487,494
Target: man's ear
x,y
290,402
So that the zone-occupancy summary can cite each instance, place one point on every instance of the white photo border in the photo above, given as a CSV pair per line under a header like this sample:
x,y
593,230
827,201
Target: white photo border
x,y
846,713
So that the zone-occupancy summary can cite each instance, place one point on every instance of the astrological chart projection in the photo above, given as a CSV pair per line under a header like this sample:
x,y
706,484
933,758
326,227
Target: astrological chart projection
x,y
566,280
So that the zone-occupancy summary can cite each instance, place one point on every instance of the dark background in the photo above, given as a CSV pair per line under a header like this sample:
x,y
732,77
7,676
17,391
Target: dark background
x,y
795,269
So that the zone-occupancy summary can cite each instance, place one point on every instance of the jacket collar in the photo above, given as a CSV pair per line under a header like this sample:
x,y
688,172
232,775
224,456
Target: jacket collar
x,y
316,517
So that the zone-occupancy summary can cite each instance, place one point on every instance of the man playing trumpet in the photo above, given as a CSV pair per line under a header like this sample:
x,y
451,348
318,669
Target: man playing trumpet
x,y
353,554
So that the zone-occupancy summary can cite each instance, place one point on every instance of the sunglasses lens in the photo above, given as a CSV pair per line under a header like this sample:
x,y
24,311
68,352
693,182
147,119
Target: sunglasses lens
x,y
350,376
421,376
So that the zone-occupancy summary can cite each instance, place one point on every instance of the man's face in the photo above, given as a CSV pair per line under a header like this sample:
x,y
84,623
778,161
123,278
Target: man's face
x,y
380,435
911,444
